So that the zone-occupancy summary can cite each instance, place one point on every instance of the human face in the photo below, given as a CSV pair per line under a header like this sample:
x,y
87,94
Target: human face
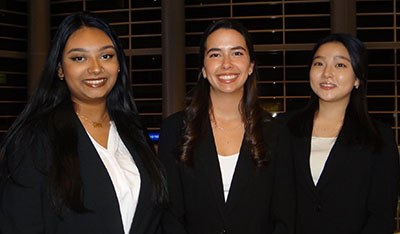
x,y
89,65
331,75
226,61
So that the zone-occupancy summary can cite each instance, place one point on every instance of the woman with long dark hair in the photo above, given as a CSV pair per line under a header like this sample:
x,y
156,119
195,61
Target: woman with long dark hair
x,y
227,161
346,163
77,159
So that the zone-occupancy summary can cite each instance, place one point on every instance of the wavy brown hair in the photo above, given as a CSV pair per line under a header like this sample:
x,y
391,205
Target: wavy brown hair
x,y
198,104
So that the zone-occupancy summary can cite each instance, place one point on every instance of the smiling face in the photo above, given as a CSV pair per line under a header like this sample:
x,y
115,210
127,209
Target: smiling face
x,y
226,61
331,75
89,65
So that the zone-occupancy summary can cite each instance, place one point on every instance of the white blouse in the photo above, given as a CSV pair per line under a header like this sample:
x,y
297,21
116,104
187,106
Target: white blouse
x,y
123,172
227,165
320,149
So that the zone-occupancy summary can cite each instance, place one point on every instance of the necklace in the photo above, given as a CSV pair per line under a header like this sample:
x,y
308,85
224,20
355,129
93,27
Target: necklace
x,y
94,124
226,129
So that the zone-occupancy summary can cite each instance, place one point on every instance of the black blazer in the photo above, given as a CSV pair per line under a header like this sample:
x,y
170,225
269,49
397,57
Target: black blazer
x,y
259,200
25,208
357,190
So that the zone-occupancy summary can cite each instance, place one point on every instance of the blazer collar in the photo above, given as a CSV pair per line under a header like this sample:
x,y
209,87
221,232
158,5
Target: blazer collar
x,y
206,155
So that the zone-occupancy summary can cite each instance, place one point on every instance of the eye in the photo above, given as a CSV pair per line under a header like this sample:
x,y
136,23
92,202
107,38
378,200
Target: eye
x,y
238,53
341,65
107,56
214,55
78,59
317,63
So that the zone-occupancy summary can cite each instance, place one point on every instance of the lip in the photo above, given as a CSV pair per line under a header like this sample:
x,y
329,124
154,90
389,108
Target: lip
x,y
327,85
95,83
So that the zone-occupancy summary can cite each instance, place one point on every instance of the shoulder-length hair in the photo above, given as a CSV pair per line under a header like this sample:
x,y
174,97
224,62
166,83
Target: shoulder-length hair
x,y
52,93
198,103
358,127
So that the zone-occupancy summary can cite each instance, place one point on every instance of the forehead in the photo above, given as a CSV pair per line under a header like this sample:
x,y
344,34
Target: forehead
x,y
87,37
332,49
225,37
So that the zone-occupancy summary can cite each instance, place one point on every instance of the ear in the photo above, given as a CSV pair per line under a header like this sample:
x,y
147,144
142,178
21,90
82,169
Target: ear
x,y
60,72
203,71
251,68
357,83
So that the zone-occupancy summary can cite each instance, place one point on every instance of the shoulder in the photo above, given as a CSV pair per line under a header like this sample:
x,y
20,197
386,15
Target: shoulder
x,y
173,121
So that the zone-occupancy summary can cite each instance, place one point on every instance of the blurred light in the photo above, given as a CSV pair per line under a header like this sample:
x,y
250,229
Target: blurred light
x,y
154,136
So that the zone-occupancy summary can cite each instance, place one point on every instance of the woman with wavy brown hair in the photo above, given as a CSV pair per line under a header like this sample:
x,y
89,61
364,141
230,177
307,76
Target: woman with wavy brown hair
x,y
227,164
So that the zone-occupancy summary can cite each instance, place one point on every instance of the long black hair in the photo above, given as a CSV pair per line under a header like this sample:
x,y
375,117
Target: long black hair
x,y
358,127
38,119
198,102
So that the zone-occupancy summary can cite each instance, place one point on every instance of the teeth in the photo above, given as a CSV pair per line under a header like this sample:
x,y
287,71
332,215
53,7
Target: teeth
x,y
95,82
227,77
327,85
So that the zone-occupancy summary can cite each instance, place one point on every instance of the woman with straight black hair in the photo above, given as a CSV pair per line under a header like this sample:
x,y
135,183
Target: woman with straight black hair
x,y
77,159
346,163
227,161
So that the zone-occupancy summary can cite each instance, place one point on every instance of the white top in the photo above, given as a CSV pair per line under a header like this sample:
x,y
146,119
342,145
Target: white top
x,y
227,165
123,172
320,149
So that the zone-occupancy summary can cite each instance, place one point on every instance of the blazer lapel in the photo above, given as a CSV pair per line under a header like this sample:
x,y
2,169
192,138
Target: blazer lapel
x,y
244,170
99,190
205,153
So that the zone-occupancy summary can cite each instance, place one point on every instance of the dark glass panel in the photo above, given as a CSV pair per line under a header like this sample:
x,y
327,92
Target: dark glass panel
x,y
297,73
121,29
203,2
146,28
154,91
272,105
381,73
5,122
145,3
262,38
269,58
11,64
11,108
14,18
367,35
96,5
62,8
307,8
13,94
242,1
114,17
207,12
298,57
197,25
148,106
380,104
381,56
263,23
13,45
306,36
374,6
192,40
146,42
270,74
14,32
307,22
146,62
270,89
381,88
298,89
146,15
146,77
152,121
295,103
378,21
192,60
13,5
9,79
257,9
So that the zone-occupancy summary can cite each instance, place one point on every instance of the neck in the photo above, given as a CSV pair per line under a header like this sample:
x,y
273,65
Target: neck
x,y
96,112
226,106
332,111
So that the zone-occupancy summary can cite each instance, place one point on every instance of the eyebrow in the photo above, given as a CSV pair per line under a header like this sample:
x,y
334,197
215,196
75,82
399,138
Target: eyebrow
x,y
338,56
85,50
233,48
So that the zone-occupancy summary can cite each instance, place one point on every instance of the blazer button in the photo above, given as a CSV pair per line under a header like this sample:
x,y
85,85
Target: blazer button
x,y
318,208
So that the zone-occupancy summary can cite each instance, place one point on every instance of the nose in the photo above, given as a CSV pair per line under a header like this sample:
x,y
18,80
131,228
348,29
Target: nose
x,y
95,67
328,71
227,62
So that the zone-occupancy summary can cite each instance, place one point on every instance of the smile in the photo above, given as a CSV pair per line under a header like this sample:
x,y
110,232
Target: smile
x,y
95,82
228,76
